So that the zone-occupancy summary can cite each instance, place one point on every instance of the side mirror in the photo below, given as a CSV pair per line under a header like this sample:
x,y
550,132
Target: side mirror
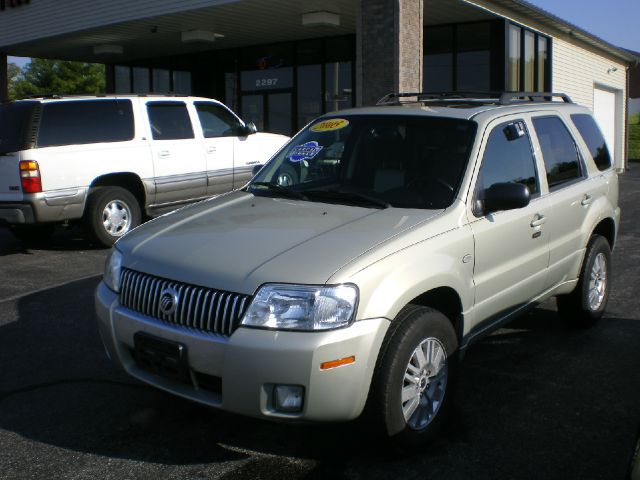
x,y
505,196
255,170
249,129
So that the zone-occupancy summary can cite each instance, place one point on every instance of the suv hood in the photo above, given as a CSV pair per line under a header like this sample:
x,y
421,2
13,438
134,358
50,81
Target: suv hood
x,y
237,242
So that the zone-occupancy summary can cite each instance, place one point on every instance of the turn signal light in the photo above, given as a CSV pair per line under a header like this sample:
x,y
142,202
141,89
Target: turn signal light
x,y
337,363
30,176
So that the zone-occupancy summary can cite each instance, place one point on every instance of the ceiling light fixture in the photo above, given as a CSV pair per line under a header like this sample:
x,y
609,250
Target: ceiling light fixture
x,y
320,19
108,50
204,36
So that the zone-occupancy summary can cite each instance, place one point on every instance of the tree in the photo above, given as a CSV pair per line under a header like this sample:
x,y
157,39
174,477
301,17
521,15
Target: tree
x,y
41,77
13,72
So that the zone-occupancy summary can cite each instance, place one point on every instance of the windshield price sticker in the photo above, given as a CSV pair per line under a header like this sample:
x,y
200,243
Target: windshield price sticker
x,y
330,125
306,151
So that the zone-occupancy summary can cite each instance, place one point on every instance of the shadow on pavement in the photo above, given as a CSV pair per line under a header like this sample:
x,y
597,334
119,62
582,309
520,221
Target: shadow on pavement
x,y
536,400
62,240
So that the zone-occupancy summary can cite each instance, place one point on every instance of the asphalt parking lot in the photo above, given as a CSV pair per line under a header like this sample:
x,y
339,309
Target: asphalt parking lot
x,y
535,400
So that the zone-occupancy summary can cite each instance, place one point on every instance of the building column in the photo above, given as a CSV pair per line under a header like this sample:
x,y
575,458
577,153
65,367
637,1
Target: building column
x,y
4,77
388,48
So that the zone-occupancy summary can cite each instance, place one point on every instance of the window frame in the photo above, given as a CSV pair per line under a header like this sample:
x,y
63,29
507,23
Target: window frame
x,y
499,122
584,173
199,103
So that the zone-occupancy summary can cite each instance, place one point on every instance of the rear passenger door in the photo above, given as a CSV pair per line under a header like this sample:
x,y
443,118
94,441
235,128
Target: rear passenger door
x,y
178,160
570,196
511,251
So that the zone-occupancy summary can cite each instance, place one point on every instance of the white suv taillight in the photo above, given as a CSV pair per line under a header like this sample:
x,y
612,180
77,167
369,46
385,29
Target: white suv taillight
x,y
30,176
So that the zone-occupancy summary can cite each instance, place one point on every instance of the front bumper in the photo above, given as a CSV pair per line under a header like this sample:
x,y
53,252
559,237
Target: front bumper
x,y
250,362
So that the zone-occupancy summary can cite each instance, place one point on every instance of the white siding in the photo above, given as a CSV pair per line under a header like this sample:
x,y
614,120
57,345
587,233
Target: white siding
x,y
56,17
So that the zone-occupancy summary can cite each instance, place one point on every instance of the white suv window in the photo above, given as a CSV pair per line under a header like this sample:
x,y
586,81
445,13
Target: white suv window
x,y
169,121
217,121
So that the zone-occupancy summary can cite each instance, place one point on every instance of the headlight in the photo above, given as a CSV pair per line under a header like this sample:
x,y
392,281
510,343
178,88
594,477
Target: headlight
x,y
112,267
302,307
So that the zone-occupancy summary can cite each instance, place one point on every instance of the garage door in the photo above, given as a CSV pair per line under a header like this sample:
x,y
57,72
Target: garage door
x,y
604,110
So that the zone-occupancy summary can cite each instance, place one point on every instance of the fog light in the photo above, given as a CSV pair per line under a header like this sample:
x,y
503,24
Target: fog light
x,y
288,398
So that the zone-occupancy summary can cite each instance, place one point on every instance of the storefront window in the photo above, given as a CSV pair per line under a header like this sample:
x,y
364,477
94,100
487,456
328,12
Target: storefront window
x,y
338,86
309,86
513,67
161,80
141,80
182,82
529,60
438,59
253,110
473,59
231,91
122,79
279,107
543,50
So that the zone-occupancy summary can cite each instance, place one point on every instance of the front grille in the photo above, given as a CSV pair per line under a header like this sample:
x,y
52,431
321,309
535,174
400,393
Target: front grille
x,y
198,308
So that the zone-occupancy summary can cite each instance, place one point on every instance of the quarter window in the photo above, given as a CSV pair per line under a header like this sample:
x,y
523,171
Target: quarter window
x,y
559,151
84,122
508,158
592,136
216,121
169,121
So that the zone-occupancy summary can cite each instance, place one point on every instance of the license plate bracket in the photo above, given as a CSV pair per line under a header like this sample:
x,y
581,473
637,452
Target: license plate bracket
x,y
162,357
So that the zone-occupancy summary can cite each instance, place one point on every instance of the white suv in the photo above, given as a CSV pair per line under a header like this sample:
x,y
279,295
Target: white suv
x,y
109,160
409,231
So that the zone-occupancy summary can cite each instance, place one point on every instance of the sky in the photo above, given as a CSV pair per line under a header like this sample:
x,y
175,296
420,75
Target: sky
x,y
616,21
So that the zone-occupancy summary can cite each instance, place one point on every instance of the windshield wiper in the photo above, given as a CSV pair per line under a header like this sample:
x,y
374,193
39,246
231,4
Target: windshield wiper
x,y
279,189
348,195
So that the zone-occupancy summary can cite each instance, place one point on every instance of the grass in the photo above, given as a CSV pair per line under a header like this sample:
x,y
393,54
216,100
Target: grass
x,y
634,137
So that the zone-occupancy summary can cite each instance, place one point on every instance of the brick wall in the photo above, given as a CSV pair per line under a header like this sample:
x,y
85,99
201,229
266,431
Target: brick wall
x,y
389,47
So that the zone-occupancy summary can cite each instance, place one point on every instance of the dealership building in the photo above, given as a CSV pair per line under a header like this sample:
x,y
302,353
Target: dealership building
x,y
280,63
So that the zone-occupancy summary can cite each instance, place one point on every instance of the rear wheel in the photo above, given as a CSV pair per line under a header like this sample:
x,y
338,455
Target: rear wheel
x,y
586,304
111,212
414,379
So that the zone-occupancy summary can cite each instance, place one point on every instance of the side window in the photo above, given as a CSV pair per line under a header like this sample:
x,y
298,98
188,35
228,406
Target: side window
x,y
217,121
169,120
84,122
559,151
508,157
592,136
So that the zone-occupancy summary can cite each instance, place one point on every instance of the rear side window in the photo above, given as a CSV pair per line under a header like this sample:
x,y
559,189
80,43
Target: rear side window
x,y
15,126
559,151
592,136
82,122
217,121
508,158
169,121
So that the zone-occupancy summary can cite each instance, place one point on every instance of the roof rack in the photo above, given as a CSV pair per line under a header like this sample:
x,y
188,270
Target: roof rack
x,y
500,98
56,96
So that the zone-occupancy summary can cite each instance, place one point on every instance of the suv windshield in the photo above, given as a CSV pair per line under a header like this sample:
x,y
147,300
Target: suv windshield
x,y
377,161
15,122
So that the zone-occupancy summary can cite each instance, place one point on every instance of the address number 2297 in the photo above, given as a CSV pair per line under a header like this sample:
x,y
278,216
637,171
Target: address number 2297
x,y
266,82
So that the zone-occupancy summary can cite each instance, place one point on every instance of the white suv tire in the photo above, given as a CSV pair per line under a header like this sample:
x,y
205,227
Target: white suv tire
x,y
111,212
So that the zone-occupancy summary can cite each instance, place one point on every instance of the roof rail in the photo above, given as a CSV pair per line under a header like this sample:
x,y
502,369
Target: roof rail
x,y
500,98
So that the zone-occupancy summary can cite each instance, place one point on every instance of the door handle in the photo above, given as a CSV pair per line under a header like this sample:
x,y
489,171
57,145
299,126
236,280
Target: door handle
x,y
164,154
256,162
211,150
587,200
538,220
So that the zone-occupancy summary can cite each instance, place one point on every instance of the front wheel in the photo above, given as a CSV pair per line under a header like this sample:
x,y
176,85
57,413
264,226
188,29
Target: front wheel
x,y
414,379
111,213
586,304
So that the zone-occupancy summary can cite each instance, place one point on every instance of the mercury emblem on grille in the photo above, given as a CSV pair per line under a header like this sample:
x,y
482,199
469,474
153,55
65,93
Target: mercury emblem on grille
x,y
168,301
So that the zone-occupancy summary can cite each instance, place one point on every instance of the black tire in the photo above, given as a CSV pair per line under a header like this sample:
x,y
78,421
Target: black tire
x,y
586,304
33,233
287,176
414,327
123,205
